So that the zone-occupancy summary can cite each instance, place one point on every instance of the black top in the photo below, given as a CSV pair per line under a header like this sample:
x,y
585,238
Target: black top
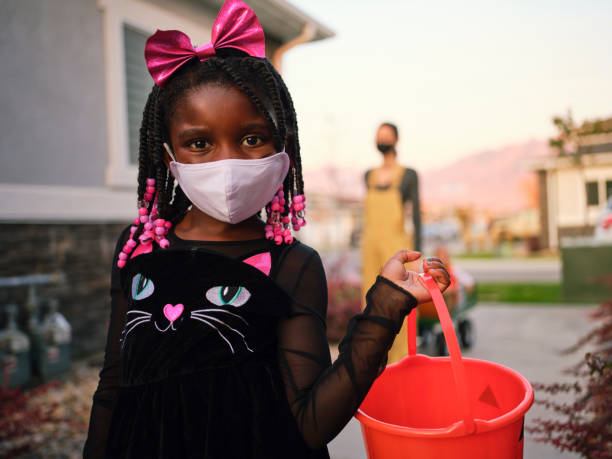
x,y
207,356
409,189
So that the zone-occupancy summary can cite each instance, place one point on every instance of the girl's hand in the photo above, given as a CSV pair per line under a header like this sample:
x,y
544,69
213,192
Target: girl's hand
x,y
395,271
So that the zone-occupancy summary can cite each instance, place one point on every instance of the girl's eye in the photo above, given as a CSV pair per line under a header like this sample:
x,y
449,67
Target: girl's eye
x,y
142,287
253,141
228,296
199,144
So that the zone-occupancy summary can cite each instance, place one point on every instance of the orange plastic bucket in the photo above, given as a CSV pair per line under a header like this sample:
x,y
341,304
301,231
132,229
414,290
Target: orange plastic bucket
x,y
444,407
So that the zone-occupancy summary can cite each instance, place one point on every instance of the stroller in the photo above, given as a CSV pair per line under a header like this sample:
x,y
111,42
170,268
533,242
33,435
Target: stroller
x,y
461,296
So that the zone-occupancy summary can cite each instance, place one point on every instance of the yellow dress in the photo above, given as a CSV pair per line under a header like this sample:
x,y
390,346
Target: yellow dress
x,y
383,236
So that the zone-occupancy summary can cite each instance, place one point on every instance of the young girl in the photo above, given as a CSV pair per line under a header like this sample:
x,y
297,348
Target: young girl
x,y
217,345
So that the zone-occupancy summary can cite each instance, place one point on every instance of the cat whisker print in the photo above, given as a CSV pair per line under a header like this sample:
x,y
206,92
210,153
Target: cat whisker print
x,y
131,326
218,331
137,311
196,316
209,310
140,317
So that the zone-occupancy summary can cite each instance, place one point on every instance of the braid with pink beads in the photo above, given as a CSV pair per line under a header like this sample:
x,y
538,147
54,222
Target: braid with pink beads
x,y
155,228
277,227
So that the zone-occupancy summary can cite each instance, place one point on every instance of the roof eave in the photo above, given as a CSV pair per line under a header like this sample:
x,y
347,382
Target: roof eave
x,y
281,20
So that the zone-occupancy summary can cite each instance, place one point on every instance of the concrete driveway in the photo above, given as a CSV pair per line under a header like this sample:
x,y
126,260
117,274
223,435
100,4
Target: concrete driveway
x,y
526,338
512,269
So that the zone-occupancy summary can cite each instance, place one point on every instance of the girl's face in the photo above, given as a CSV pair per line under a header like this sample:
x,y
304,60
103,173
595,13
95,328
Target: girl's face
x,y
217,122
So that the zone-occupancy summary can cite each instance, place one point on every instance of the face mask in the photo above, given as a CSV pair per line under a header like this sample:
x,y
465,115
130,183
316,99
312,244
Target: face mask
x,y
384,147
231,190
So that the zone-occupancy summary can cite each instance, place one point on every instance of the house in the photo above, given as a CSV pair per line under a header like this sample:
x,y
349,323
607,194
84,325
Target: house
x,y
574,188
74,84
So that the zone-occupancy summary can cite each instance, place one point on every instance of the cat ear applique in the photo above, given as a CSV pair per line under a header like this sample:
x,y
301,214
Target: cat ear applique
x,y
142,248
261,261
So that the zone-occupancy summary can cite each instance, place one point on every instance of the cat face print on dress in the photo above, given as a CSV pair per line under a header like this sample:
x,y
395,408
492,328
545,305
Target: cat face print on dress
x,y
177,297
218,315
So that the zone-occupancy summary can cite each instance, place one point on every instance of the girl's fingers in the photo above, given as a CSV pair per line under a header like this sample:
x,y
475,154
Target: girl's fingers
x,y
438,272
440,275
432,262
406,256
395,270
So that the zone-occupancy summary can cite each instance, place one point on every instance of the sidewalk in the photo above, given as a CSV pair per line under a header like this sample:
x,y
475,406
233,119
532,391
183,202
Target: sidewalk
x,y
512,269
525,338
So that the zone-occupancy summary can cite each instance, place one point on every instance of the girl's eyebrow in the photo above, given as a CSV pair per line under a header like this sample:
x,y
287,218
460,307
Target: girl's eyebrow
x,y
191,131
256,125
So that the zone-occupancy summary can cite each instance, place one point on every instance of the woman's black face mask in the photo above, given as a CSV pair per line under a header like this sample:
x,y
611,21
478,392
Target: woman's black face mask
x,y
384,148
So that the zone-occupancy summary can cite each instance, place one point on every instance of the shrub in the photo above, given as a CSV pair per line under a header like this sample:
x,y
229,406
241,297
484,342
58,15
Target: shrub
x,y
583,425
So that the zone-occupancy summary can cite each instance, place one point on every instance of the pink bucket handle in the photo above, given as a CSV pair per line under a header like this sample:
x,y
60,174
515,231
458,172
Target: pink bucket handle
x,y
453,349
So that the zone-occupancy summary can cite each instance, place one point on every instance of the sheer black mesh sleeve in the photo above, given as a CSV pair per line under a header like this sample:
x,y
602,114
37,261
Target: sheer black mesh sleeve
x,y
106,393
323,397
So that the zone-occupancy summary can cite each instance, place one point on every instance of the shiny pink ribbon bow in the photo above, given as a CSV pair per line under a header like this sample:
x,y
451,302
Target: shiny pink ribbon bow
x,y
236,27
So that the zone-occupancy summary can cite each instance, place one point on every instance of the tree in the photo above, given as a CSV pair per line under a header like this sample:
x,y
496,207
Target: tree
x,y
566,137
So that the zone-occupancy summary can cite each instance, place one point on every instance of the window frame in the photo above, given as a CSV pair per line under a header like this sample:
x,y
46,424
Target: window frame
x,y
147,17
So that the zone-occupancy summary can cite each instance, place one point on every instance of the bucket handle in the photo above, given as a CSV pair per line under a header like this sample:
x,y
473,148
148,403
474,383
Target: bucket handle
x,y
453,349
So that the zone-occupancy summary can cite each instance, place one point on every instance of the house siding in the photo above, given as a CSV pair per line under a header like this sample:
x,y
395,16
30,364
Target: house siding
x,y
53,104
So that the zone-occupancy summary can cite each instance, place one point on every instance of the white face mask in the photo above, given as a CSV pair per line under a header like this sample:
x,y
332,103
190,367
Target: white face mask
x,y
231,190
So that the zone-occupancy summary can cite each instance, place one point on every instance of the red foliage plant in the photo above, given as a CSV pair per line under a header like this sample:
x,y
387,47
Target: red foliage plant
x,y
583,425
20,420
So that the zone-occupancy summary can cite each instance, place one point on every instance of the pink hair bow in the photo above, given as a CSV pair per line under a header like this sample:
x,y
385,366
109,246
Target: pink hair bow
x,y
236,27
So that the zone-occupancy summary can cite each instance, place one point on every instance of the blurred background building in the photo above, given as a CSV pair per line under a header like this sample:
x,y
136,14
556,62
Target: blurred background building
x,y
575,186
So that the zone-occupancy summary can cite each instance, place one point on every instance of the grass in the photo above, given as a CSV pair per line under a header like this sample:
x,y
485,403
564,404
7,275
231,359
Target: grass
x,y
520,292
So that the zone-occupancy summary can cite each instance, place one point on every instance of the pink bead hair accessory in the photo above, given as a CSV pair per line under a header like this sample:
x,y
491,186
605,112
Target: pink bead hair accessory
x,y
236,27
298,211
275,227
278,226
154,228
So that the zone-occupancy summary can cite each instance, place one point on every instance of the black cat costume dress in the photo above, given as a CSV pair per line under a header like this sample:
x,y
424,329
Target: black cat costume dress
x,y
218,350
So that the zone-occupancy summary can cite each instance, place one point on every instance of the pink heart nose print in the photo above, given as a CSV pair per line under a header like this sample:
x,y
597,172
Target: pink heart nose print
x,y
173,312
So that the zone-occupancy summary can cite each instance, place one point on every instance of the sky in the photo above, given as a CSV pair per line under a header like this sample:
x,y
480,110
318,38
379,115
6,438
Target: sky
x,y
457,77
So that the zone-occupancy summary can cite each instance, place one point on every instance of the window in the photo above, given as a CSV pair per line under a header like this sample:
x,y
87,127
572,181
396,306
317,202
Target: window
x,y
592,194
127,24
608,189
138,84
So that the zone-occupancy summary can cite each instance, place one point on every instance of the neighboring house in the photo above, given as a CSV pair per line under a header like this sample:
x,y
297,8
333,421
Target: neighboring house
x,y
74,84
575,188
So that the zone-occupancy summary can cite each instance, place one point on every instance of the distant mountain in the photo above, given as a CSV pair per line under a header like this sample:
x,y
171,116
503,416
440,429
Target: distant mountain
x,y
497,181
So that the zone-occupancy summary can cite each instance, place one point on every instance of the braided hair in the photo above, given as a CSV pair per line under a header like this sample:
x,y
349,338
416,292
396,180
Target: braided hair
x,y
258,80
